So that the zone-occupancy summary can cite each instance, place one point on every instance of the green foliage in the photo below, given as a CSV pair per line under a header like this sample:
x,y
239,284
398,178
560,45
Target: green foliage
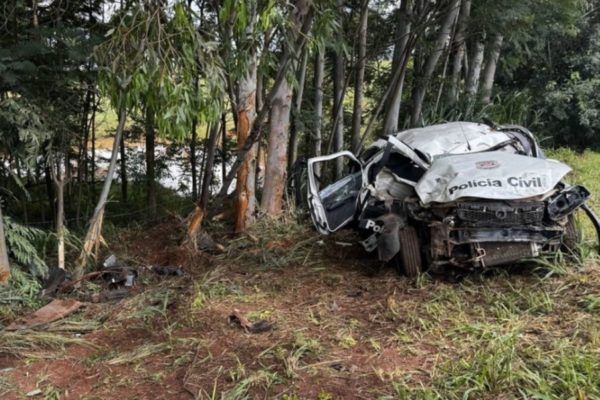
x,y
22,244
155,59
22,131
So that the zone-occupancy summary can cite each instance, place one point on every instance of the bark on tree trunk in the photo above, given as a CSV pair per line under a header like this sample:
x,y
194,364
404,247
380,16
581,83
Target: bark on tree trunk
x,y
208,169
431,63
193,161
338,93
275,175
460,50
4,265
393,105
293,152
473,78
59,181
393,108
123,162
360,75
489,71
93,155
150,163
93,237
319,73
211,148
255,133
246,178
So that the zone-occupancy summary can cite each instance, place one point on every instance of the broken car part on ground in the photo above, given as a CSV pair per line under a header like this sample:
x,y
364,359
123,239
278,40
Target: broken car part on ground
x,y
461,194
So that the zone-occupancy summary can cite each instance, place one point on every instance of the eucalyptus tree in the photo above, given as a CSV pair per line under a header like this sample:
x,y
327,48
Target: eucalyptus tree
x,y
150,60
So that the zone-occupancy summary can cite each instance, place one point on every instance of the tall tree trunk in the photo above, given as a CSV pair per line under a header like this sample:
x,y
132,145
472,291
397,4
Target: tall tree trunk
x,y
93,237
421,84
460,50
360,75
489,71
34,11
59,181
49,189
319,73
193,161
338,99
293,151
4,265
275,175
123,162
224,148
246,179
93,155
398,63
150,163
213,139
472,83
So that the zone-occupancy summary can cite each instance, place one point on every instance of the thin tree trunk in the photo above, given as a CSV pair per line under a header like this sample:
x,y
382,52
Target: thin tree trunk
x,y
319,73
34,11
420,86
392,115
460,50
123,162
193,161
396,77
360,75
59,181
489,71
49,189
473,78
93,237
213,139
293,151
224,148
275,175
150,163
4,264
93,155
338,108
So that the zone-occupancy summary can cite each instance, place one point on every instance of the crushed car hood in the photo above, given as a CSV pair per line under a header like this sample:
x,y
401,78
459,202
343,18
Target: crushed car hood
x,y
489,175
452,138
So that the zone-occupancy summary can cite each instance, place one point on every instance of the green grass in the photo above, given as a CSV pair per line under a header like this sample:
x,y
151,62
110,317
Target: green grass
x,y
585,171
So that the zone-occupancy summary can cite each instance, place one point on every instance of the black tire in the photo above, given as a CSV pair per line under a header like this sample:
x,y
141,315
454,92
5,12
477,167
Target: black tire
x,y
410,252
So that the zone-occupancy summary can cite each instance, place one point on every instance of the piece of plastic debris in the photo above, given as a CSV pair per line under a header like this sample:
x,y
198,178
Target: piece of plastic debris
x,y
34,392
110,262
236,317
55,310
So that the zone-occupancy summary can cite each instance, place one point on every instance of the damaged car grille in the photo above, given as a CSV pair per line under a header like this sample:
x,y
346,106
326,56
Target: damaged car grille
x,y
479,214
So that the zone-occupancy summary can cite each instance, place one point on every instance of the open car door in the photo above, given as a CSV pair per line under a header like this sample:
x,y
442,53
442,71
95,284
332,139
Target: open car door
x,y
333,203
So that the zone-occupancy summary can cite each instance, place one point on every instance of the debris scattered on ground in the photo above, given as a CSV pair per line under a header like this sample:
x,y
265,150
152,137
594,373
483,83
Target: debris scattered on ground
x,y
236,317
56,277
109,295
168,270
208,244
55,310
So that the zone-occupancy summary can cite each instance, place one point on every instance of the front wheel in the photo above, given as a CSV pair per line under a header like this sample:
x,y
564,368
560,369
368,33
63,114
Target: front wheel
x,y
410,252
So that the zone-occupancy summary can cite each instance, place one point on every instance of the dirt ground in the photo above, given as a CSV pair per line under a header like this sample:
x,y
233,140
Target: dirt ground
x,y
343,328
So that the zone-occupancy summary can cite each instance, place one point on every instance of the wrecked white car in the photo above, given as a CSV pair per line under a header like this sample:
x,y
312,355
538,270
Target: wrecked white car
x,y
457,194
